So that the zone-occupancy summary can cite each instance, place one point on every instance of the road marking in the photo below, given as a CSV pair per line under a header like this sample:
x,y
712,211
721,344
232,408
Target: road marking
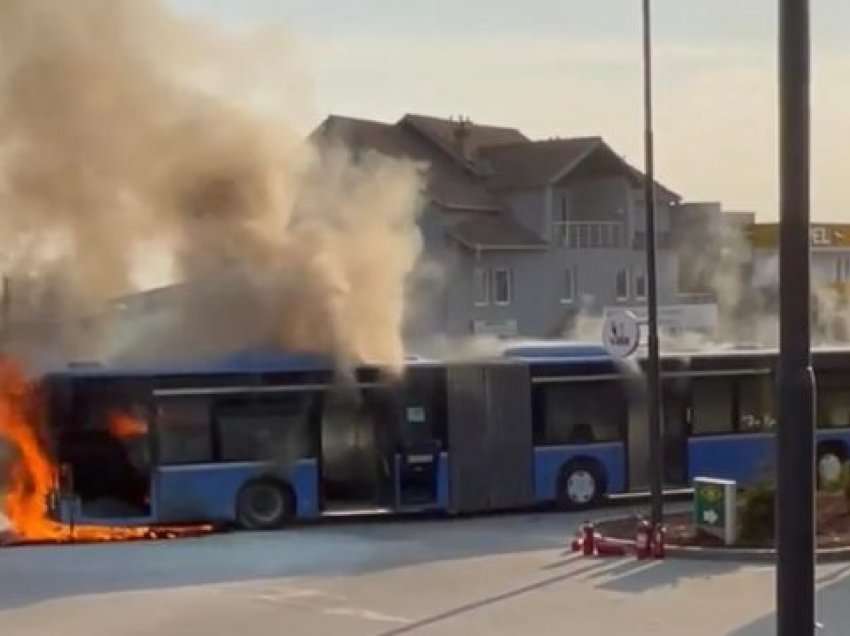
x,y
365,614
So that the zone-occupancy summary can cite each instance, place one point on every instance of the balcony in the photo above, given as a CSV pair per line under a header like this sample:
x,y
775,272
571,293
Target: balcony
x,y
590,234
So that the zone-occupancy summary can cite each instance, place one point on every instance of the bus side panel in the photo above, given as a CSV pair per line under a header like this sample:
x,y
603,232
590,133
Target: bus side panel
x,y
744,458
208,492
548,461
304,479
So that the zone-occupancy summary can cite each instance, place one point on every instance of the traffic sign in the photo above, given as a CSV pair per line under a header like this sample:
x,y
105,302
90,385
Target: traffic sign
x,y
621,334
715,508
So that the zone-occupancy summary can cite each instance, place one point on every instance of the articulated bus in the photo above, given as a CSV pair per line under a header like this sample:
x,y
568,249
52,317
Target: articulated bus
x,y
257,441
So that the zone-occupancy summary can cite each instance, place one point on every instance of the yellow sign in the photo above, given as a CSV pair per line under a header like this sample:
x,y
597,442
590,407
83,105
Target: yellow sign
x,y
766,235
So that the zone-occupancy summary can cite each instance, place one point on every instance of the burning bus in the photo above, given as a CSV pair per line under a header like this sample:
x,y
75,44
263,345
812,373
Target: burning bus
x,y
261,439
254,441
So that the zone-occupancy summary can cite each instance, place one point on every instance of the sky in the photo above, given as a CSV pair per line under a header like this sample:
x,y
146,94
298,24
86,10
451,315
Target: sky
x,y
560,68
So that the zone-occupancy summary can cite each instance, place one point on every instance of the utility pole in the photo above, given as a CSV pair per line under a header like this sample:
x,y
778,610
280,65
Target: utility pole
x,y
795,528
653,371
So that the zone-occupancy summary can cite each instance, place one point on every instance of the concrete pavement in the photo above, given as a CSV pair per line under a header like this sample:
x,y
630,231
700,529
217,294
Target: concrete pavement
x,y
490,575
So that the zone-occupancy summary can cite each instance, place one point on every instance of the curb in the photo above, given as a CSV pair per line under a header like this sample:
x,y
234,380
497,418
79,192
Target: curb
x,y
756,555
751,555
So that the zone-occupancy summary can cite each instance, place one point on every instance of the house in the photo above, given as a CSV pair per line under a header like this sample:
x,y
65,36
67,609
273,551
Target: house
x,y
528,235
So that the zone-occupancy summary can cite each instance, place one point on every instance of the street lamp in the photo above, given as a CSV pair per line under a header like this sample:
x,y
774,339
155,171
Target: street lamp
x,y
795,527
652,371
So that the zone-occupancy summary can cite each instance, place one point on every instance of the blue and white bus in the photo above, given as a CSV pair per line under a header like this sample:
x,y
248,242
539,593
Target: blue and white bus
x,y
258,440
721,414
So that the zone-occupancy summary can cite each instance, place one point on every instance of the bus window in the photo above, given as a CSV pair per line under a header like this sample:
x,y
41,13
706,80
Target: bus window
x,y
184,431
583,413
833,401
756,412
256,430
712,406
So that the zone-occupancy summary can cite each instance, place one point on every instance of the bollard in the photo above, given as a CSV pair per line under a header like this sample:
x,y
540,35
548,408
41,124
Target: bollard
x,y
643,540
658,539
588,539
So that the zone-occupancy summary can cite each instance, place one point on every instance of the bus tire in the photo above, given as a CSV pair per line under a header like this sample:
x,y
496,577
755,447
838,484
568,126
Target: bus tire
x,y
264,504
581,484
830,459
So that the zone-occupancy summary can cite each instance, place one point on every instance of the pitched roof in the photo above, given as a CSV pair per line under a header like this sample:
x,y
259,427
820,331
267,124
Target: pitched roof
x,y
443,133
495,231
539,163
448,184
490,160
535,163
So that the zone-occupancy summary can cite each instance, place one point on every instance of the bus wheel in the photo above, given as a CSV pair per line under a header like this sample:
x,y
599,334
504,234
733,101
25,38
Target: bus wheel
x,y
580,485
264,505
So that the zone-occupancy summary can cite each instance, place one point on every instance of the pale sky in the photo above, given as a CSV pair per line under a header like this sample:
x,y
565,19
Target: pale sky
x,y
572,67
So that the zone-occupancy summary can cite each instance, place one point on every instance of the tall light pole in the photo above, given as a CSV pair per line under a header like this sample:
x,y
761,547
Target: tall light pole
x,y
795,528
653,380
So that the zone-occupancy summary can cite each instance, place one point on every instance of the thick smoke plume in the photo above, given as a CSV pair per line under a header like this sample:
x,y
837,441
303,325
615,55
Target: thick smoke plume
x,y
134,140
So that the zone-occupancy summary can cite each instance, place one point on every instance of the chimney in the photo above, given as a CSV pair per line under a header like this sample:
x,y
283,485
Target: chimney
x,y
462,130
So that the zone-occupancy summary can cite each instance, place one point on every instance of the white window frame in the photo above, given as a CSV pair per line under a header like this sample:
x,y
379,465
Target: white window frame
x,y
625,273
636,275
481,281
842,269
509,277
569,272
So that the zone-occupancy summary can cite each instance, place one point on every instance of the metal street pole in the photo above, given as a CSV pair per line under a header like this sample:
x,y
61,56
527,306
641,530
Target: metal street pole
x,y
653,381
795,528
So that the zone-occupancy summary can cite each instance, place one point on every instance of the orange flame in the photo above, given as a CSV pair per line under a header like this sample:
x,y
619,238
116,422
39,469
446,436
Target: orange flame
x,y
124,426
32,476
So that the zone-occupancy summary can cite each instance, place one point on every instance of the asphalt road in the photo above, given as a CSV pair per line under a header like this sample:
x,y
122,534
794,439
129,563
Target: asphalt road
x,y
507,574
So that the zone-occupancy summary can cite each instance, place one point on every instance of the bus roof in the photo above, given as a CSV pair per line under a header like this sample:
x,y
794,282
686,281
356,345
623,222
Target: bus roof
x,y
249,361
541,352
556,350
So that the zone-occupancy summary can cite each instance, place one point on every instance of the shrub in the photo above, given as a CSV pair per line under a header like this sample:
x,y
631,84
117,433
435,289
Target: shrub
x,y
757,514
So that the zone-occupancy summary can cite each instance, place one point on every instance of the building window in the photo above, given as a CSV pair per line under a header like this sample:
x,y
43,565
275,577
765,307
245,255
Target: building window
x,y
502,292
622,284
842,269
640,285
568,294
482,286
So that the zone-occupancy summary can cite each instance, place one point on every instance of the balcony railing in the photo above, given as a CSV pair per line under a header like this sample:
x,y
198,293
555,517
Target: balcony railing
x,y
590,234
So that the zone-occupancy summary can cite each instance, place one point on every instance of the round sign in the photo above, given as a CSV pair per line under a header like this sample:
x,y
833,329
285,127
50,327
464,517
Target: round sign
x,y
621,334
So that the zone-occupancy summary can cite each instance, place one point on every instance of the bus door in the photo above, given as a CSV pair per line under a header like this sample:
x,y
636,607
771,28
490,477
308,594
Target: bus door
x,y
676,401
421,437
104,446
357,469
